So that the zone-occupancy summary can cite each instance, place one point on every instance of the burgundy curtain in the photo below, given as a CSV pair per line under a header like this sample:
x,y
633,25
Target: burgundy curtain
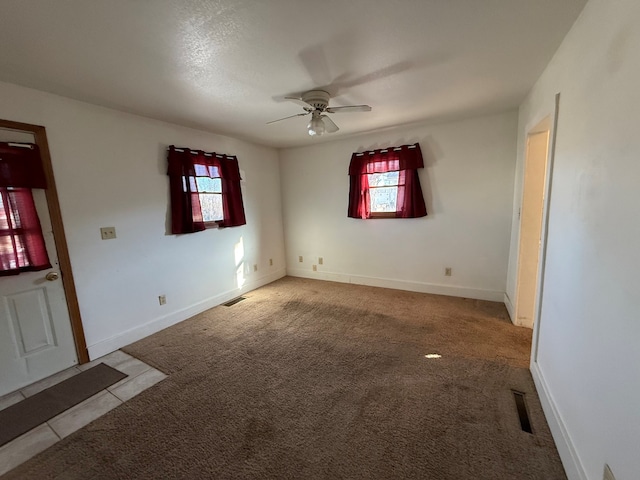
x,y
359,201
184,166
406,160
22,247
232,205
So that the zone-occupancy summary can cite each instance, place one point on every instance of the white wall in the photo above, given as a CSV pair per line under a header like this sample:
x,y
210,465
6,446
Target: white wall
x,y
588,364
110,169
468,187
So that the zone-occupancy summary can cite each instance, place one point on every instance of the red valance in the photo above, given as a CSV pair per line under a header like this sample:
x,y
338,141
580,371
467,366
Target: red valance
x,y
405,157
20,166
196,163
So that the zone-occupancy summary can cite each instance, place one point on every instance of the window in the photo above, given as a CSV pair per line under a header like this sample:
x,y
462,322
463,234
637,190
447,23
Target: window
x,y
383,194
205,190
210,193
385,183
22,247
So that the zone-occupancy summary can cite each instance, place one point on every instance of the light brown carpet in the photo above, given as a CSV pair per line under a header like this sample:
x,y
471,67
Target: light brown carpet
x,y
319,380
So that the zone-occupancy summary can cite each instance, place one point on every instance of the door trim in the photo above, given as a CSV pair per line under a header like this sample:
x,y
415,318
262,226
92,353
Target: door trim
x,y
64,260
537,318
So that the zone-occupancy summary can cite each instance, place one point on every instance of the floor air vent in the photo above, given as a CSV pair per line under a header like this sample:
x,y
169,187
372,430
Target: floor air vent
x,y
234,301
521,406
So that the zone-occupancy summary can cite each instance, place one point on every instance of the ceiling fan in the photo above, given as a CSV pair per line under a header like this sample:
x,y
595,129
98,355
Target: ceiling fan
x,y
316,104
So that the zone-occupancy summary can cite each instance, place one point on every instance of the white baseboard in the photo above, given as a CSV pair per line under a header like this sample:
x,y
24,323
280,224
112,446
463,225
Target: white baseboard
x,y
454,291
568,454
509,304
109,345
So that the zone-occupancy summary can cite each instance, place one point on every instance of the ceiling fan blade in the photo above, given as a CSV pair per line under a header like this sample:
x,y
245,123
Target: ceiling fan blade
x,y
314,60
349,108
290,116
329,126
300,102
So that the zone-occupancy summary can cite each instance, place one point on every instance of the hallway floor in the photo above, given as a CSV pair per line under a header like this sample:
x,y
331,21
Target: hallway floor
x,y
140,377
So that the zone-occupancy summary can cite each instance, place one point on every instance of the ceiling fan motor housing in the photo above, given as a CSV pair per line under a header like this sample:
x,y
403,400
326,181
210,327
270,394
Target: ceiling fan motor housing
x,y
318,99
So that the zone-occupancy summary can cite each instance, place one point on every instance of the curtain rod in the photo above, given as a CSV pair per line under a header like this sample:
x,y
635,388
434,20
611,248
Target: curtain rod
x,y
385,150
23,145
204,153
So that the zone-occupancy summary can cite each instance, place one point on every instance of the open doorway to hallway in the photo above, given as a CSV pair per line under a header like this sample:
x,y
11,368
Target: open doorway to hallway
x,y
531,221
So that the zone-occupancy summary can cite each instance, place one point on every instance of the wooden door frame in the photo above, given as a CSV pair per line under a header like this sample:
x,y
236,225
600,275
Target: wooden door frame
x,y
55,213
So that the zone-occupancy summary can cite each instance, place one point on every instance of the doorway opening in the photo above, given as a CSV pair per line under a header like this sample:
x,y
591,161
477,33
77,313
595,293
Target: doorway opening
x,y
538,150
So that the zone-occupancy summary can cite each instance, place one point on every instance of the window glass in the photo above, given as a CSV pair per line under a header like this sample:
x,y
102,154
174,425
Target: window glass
x,y
383,179
11,247
210,193
383,191
209,185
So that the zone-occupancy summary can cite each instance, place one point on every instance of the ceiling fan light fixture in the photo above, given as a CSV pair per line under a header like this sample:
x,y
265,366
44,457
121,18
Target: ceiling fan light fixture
x,y
316,126
315,103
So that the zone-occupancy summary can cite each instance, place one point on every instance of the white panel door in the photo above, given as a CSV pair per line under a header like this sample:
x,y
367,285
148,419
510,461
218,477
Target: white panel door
x,y
36,339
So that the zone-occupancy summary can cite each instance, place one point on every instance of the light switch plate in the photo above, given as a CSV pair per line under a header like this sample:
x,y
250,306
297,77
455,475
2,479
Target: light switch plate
x,y
107,233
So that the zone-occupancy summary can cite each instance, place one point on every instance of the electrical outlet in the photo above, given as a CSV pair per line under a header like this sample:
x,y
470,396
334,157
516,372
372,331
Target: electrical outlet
x,y
107,233
608,474
320,260
271,262
315,268
255,267
162,299
447,272
300,258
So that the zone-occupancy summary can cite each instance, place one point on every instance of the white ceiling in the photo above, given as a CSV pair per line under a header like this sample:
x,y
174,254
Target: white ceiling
x,y
225,65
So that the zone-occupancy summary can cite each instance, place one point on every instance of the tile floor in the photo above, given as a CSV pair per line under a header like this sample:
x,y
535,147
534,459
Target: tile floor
x,y
140,377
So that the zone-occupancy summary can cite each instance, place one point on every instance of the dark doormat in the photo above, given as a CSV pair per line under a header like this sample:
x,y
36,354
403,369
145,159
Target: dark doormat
x,y
37,409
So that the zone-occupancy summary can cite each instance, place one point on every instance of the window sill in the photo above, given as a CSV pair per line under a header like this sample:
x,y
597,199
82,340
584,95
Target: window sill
x,y
382,215
211,225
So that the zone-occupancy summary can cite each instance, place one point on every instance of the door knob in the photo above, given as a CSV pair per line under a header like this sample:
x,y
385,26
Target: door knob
x,y
51,276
